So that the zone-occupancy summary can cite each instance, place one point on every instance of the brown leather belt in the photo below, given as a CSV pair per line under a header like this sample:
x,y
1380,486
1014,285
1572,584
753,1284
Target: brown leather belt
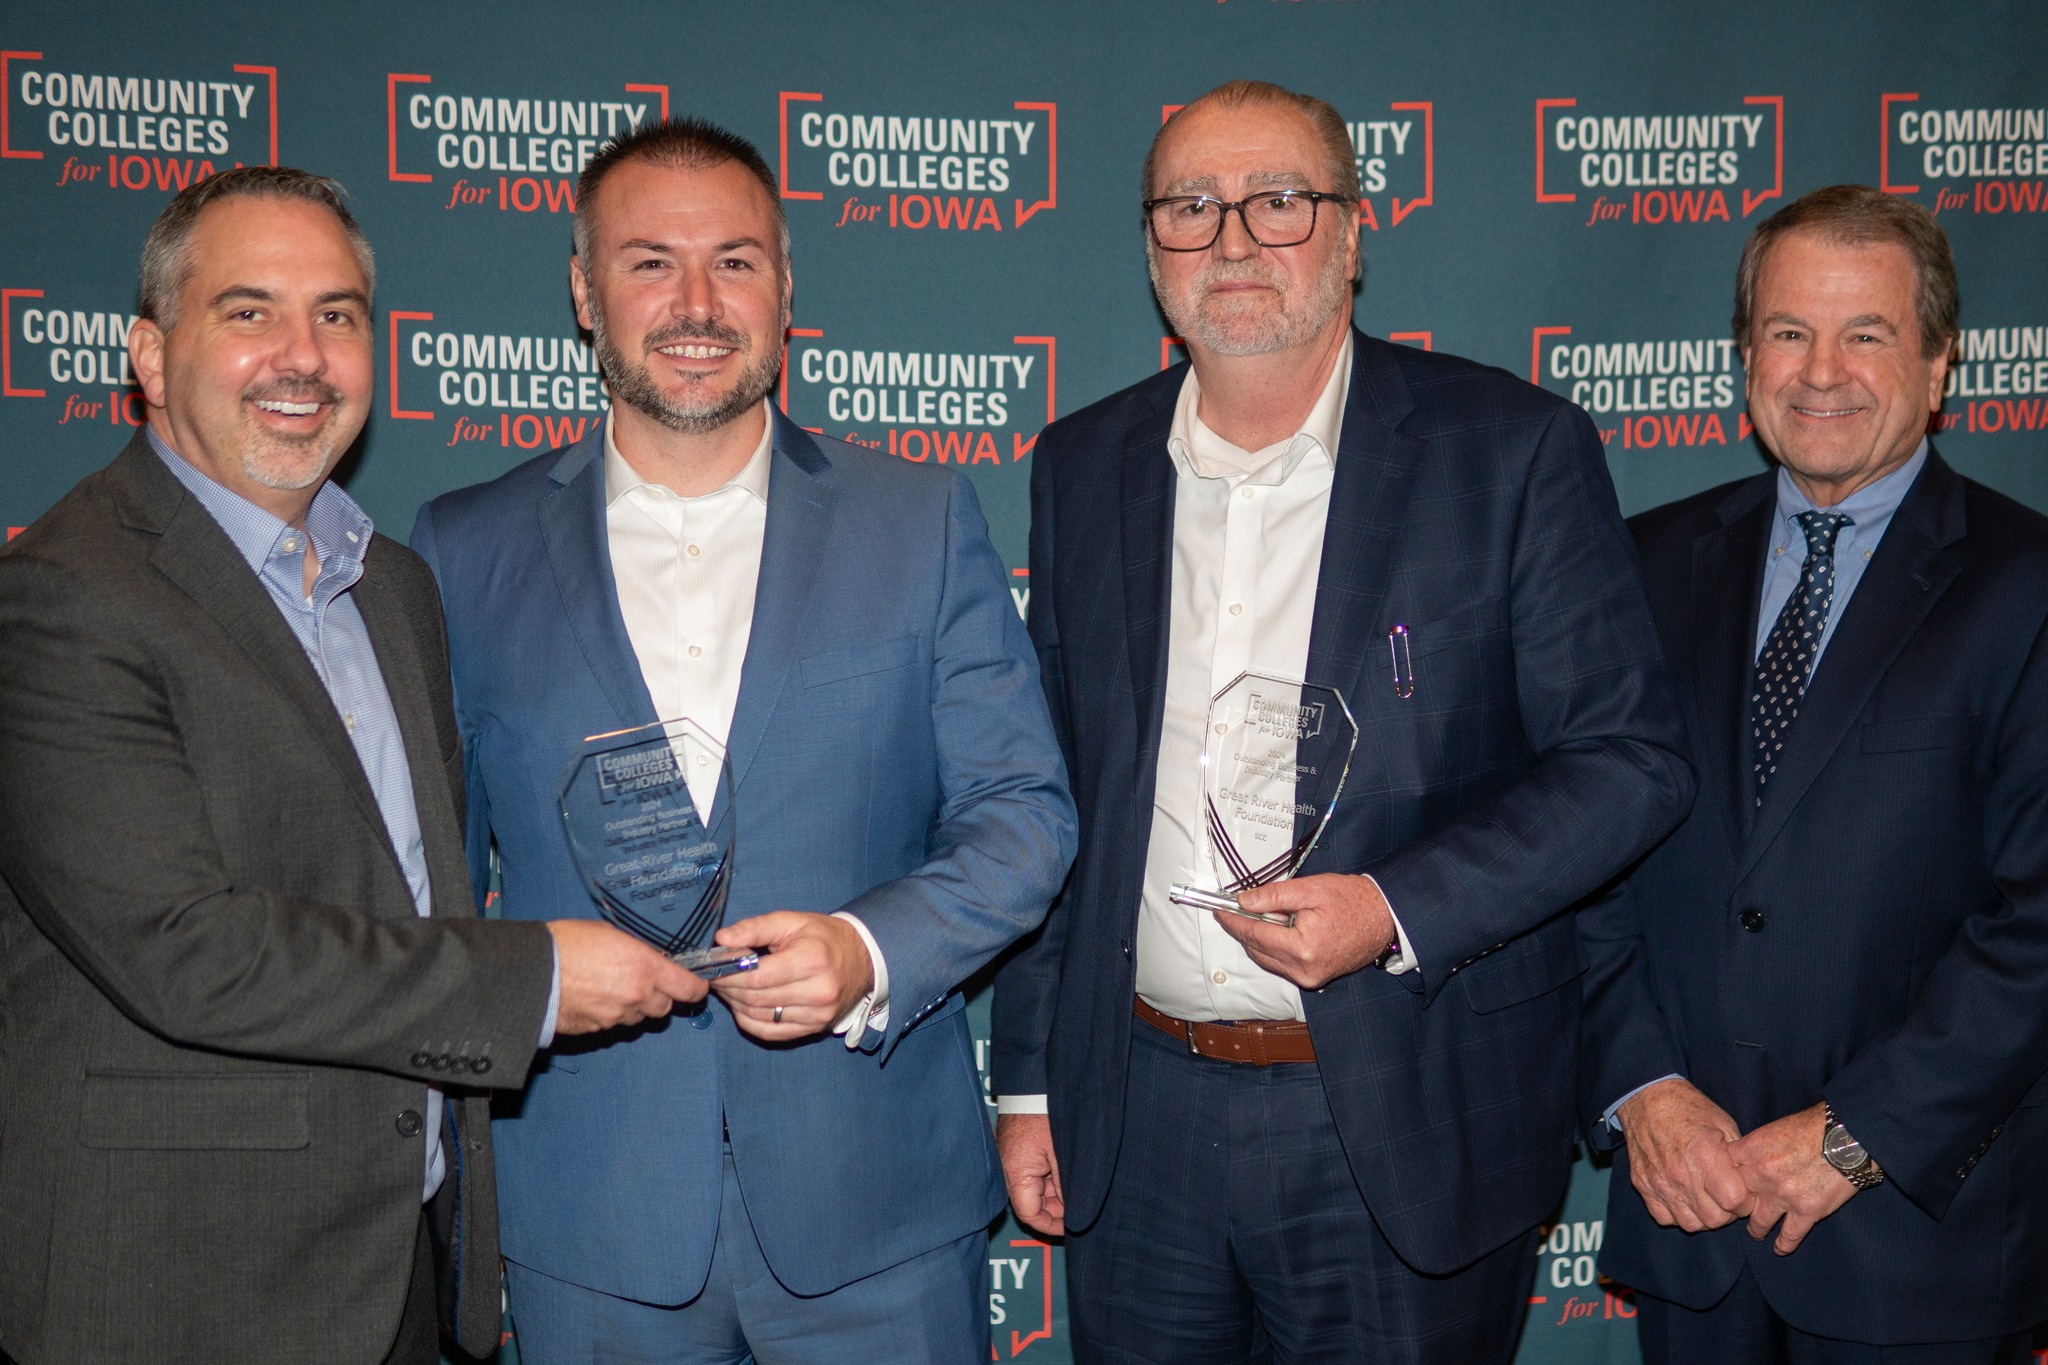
x,y
1257,1042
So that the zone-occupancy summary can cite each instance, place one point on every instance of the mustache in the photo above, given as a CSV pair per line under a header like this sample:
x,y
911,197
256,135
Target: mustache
x,y
1234,272
302,390
684,329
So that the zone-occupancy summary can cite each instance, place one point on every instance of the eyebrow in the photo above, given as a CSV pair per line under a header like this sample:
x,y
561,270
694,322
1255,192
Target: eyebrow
x,y
1207,184
1864,320
355,296
241,291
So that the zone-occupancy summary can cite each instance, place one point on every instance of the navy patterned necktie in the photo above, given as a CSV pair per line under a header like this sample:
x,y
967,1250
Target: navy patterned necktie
x,y
1786,663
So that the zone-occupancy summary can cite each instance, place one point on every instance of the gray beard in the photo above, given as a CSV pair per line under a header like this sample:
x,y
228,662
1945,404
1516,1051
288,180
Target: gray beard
x,y
1279,330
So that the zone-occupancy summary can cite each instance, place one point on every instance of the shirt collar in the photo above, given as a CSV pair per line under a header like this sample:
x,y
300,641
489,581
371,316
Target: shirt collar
x,y
1198,451
1867,506
339,528
621,478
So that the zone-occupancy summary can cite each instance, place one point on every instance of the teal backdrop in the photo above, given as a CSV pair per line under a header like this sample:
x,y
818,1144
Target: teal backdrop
x,y
1559,190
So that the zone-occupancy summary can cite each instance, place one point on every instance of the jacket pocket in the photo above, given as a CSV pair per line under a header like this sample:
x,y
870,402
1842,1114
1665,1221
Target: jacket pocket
x,y
1439,633
838,664
1536,965
160,1111
1917,732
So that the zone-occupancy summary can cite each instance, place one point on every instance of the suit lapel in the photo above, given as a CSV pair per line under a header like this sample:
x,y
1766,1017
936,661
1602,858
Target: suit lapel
x,y
1376,469
1146,539
1903,582
572,525
1727,582
405,680
195,555
800,502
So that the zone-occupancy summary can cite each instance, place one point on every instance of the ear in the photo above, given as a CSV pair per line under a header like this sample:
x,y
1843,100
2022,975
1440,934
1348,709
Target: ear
x,y
579,290
1937,377
146,358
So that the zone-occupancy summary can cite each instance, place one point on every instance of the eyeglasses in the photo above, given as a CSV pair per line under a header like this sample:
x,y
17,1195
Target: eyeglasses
x,y
1193,222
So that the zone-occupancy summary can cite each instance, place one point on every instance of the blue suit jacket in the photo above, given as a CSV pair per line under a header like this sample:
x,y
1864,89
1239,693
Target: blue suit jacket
x,y
1900,863
890,755
1538,755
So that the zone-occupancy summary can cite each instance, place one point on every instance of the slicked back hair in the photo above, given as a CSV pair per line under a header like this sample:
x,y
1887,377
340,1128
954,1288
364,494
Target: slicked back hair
x,y
688,144
1329,126
1857,215
167,251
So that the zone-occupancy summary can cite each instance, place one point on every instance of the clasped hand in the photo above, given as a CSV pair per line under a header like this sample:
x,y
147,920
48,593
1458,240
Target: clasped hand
x,y
1341,923
1696,1170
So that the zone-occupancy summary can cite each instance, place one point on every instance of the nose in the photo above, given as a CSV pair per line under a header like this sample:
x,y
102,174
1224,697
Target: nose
x,y
1234,242
1823,368
299,349
696,295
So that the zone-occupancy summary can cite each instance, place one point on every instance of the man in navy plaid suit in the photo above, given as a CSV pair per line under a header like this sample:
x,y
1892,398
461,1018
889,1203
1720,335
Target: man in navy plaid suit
x,y
1330,1141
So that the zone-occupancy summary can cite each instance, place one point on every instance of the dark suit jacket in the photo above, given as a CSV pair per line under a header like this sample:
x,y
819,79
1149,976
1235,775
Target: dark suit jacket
x,y
1900,967
1538,755
216,1001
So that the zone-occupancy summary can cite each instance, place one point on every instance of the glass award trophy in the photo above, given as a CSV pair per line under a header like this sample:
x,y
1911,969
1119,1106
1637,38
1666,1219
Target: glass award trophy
x,y
645,850
1275,755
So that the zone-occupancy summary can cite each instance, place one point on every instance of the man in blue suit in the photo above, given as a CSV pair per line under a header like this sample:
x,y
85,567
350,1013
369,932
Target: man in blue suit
x,y
742,1184
1331,1141
1818,1014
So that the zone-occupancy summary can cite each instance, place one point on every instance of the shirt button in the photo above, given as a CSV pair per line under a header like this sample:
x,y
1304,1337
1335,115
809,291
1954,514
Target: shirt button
x,y
696,650
348,719
1219,976
1245,493
1222,729
1237,608
703,759
694,552
290,544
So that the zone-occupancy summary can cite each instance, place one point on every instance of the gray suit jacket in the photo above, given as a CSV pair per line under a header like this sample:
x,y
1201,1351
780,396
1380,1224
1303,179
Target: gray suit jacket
x,y
218,1009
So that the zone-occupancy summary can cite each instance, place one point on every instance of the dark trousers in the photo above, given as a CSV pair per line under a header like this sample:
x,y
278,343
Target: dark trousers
x,y
1234,1232
419,1336
1743,1330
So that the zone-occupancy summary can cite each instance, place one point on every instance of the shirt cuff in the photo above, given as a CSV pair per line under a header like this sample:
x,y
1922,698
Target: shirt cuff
x,y
1612,1118
1404,961
547,1023
871,1011
1020,1104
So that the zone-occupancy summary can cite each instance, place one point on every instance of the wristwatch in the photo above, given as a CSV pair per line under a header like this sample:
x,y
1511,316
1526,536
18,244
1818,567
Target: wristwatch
x,y
1846,1154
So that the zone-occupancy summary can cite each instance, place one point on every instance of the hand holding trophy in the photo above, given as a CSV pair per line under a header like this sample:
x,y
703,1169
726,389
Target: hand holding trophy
x,y
638,806
1275,756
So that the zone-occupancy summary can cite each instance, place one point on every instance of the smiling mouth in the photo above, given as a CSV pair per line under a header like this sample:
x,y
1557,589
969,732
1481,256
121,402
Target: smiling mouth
x,y
695,350
1825,412
287,409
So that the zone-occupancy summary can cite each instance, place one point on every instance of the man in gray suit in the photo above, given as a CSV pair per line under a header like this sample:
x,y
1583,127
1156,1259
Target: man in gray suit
x,y
245,1008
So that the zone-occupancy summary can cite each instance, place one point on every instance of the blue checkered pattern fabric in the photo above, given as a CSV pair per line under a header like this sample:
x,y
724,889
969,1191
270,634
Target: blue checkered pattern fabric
x,y
1788,653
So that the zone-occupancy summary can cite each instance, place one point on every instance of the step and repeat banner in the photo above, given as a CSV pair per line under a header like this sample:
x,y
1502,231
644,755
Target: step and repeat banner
x,y
1559,191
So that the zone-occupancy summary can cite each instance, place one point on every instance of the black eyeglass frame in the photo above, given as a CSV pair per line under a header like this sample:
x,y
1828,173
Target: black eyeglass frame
x,y
1316,199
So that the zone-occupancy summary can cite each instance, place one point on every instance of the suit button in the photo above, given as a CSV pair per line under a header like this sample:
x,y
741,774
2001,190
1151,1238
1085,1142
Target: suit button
x,y
1753,920
440,1063
481,1066
422,1059
408,1124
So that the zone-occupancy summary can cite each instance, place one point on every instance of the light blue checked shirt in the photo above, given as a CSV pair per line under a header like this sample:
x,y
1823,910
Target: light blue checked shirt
x,y
331,630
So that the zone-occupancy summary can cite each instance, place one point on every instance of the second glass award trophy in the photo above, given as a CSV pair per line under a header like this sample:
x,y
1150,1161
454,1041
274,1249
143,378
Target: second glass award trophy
x,y
643,845
1275,756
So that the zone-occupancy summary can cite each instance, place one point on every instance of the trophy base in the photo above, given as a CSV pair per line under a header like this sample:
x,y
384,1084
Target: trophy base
x,y
1223,902
712,963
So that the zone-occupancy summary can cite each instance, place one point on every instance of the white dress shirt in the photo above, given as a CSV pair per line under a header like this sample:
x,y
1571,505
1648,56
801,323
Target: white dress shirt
x,y
1247,551
686,570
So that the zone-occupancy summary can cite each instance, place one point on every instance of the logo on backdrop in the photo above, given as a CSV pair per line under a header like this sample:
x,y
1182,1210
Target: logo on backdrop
x,y
518,392
1644,394
991,168
1019,1296
977,406
2000,374
51,349
1711,166
1963,160
504,153
1569,1288
130,130
1396,158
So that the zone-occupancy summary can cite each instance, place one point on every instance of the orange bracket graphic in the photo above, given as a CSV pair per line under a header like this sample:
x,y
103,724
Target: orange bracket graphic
x,y
398,413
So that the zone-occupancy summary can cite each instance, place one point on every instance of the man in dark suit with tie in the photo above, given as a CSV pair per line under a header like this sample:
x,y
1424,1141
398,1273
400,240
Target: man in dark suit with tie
x,y
1331,1141
246,1009
1818,1014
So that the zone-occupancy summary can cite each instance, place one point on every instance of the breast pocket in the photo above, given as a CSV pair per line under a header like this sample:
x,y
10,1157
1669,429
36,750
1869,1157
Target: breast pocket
x,y
859,661
1916,733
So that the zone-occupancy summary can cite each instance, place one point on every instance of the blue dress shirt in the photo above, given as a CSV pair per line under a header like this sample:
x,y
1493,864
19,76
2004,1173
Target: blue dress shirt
x,y
332,633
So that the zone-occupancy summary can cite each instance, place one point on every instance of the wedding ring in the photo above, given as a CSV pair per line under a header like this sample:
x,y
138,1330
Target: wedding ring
x,y
777,1015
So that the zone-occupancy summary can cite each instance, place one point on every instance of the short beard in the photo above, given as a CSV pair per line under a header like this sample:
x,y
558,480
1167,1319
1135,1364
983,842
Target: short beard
x,y
634,386
281,462
1280,329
